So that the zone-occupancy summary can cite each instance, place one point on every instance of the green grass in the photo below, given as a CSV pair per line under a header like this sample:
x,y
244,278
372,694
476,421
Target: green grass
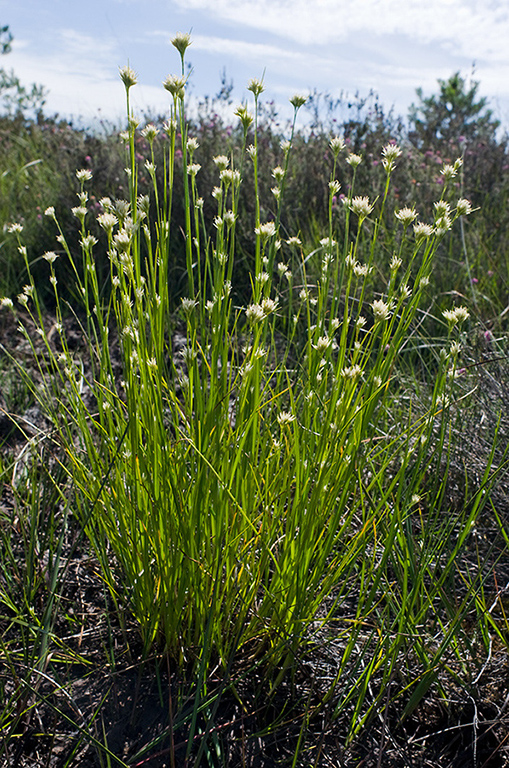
x,y
267,487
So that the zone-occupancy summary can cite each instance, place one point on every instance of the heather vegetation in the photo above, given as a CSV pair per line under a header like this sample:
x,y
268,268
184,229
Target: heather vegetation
x,y
253,435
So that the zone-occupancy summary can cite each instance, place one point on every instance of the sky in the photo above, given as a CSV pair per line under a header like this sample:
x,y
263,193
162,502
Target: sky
x,y
342,47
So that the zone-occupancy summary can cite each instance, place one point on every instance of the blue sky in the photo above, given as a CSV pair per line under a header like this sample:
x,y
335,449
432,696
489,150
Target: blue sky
x,y
340,46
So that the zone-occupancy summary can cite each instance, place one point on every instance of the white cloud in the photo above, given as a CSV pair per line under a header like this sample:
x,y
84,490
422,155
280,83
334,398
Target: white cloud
x,y
243,49
473,29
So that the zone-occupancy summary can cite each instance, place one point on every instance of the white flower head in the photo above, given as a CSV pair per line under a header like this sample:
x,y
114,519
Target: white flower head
x,y
361,206
181,42
422,230
84,175
406,215
128,77
278,173
390,153
361,270
297,100
107,221
255,86
443,225
229,218
285,418
456,315
254,313
442,208
175,85
354,160
221,161
463,207
149,132
337,144
266,230
322,344
352,372
187,305
380,310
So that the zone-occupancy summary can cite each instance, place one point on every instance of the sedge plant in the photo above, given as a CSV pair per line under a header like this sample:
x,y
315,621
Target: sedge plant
x,y
239,489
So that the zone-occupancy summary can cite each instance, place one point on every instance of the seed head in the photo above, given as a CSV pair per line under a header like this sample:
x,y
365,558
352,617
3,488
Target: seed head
x,y
80,212
269,305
